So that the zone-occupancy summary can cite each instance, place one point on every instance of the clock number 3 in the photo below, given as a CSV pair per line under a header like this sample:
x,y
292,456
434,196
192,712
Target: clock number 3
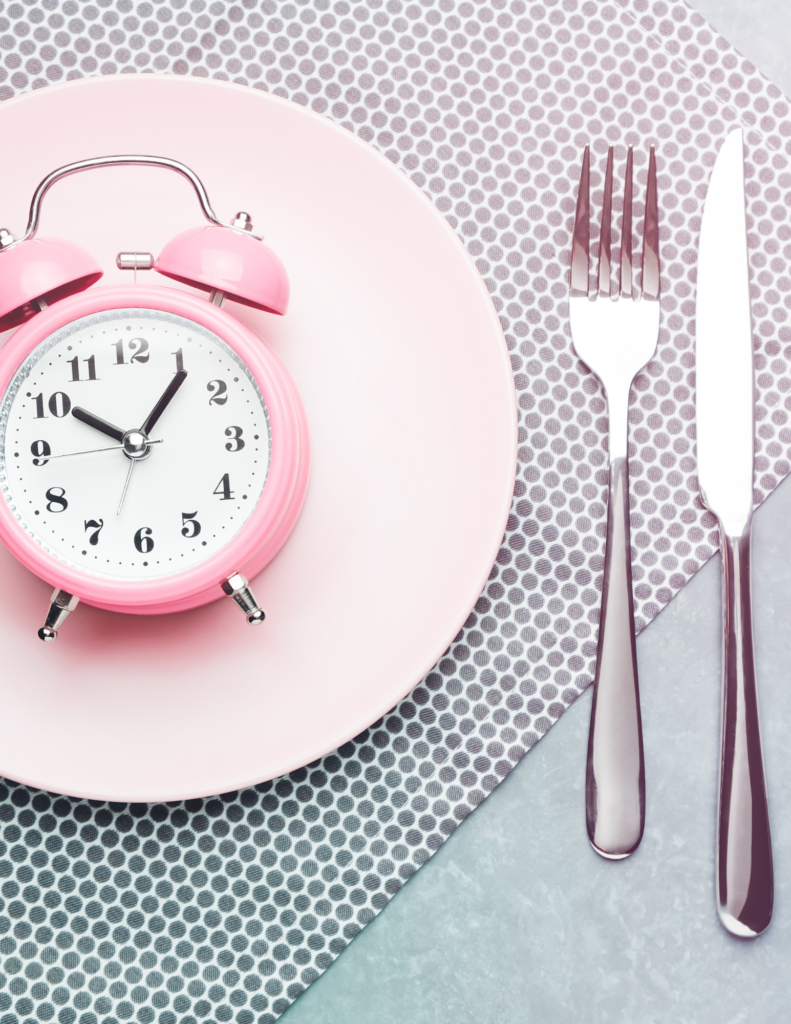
x,y
56,501
96,526
144,542
191,527
236,443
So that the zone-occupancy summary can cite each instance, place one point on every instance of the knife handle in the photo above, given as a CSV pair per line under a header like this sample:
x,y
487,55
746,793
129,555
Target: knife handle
x,y
745,877
615,778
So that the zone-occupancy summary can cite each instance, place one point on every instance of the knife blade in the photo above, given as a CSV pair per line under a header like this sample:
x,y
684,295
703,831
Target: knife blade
x,y
725,441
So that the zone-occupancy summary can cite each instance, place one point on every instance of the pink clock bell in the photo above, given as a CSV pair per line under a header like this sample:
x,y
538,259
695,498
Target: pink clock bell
x,y
153,449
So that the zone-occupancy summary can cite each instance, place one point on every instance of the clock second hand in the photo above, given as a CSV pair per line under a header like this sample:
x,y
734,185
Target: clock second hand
x,y
93,451
126,487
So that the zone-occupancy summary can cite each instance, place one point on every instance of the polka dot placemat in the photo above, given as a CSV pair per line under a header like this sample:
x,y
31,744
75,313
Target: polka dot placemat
x,y
226,908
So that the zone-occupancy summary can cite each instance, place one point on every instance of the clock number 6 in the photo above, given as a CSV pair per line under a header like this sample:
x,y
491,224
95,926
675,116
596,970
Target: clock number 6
x,y
56,502
191,527
144,542
236,443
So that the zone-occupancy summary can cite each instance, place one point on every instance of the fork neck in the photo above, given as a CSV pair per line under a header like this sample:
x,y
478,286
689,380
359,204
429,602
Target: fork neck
x,y
619,430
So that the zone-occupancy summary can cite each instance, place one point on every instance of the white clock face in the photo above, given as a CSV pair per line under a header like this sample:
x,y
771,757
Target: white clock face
x,y
95,384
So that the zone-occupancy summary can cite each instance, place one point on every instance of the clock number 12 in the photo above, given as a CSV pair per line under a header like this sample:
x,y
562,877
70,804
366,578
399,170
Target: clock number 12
x,y
141,356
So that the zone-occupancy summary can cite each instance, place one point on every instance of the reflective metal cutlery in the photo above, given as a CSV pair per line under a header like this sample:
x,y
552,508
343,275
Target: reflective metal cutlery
x,y
725,438
616,340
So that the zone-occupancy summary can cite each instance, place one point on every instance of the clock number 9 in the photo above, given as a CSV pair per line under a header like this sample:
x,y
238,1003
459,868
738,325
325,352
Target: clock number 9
x,y
144,542
191,527
220,392
56,501
236,443
40,449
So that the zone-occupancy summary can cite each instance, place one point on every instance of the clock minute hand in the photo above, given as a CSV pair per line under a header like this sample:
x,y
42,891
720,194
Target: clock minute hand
x,y
164,402
151,420
98,423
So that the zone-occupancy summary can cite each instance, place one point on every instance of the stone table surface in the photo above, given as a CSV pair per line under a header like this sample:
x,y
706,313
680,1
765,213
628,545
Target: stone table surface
x,y
516,919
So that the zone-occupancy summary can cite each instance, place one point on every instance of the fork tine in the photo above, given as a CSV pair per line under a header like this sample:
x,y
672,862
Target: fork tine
x,y
580,246
605,238
626,232
651,234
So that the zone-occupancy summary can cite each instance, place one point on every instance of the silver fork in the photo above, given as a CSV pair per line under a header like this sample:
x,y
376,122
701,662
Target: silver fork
x,y
615,339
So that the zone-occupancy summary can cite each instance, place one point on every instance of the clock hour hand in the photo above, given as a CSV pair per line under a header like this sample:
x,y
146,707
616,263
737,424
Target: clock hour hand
x,y
163,402
97,423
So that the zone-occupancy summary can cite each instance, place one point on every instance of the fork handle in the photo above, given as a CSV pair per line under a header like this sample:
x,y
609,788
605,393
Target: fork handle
x,y
615,781
745,877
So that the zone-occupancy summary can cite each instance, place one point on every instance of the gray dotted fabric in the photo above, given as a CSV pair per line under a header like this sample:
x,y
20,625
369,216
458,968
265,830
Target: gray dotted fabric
x,y
225,909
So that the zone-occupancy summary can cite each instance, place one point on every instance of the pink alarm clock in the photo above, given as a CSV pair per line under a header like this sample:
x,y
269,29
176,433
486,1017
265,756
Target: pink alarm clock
x,y
153,450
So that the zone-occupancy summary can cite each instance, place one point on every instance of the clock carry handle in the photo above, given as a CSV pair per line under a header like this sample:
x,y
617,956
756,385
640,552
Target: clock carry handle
x,y
226,260
119,161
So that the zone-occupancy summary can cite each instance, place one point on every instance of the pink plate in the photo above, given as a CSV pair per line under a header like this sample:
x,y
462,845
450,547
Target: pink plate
x,y
398,355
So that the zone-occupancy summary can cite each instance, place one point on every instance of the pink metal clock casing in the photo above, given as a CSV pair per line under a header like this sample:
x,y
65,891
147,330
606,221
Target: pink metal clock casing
x,y
274,516
45,284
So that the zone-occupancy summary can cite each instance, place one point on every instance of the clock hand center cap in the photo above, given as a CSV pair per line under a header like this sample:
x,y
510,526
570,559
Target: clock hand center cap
x,y
136,445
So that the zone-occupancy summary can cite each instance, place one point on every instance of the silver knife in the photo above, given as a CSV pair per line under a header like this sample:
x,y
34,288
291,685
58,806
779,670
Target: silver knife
x,y
725,437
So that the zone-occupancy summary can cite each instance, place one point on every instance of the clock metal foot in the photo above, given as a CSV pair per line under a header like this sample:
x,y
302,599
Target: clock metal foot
x,y
61,603
236,586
